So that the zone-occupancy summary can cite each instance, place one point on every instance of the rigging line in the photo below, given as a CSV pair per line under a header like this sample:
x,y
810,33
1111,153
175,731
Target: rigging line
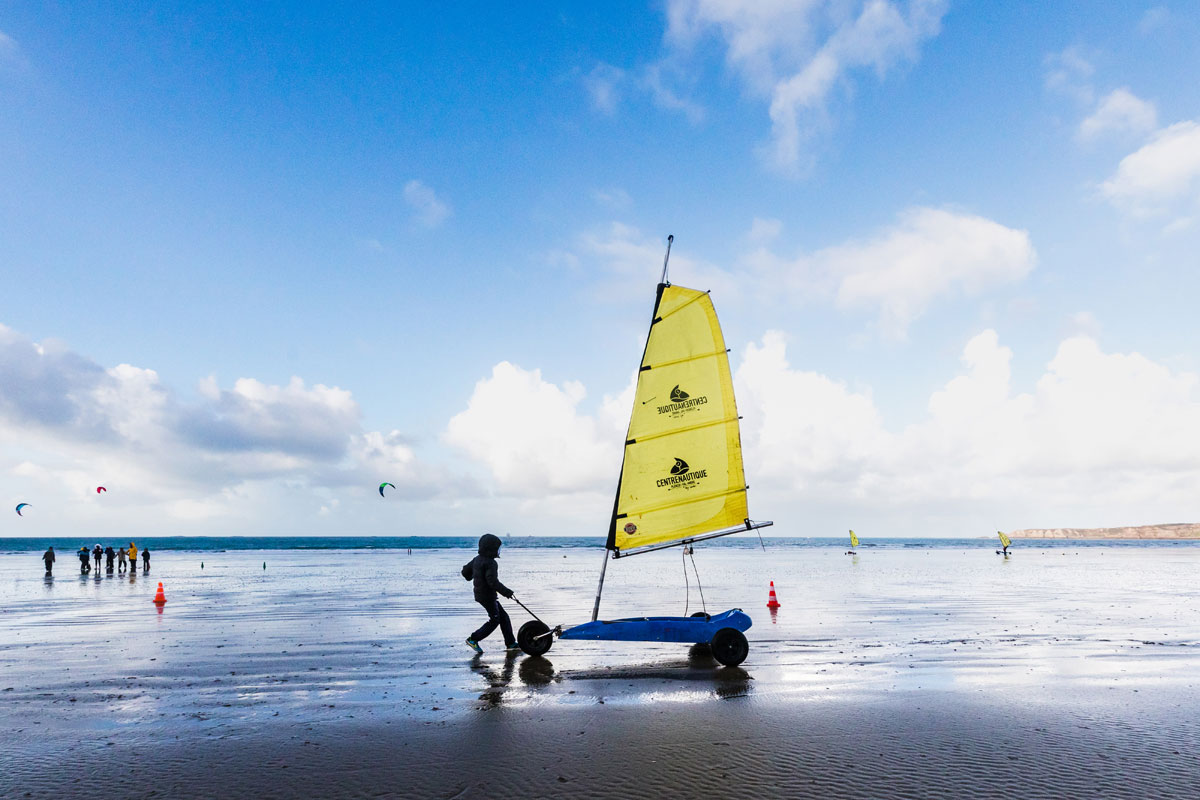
x,y
687,587
692,554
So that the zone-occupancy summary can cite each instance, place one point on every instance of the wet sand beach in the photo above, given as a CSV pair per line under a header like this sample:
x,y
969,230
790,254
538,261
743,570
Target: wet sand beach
x,y
897,673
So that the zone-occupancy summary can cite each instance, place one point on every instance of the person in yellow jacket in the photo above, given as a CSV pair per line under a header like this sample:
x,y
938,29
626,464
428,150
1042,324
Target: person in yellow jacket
x,y
132,557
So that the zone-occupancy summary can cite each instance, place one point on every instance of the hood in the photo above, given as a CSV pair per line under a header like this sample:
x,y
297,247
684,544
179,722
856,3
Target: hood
x,y
489,545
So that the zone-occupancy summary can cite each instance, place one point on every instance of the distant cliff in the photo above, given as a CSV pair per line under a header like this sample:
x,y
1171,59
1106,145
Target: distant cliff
x,y
1176,530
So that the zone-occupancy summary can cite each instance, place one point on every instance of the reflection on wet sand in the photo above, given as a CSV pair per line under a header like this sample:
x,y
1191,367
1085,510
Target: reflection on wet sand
x,y
700,668
537,671
497,680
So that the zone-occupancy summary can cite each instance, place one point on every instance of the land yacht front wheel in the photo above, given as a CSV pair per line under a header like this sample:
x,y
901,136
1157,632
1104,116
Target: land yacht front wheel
x,y
531,640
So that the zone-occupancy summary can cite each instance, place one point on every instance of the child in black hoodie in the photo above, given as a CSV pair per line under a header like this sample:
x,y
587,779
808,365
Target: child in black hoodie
x,y
482,571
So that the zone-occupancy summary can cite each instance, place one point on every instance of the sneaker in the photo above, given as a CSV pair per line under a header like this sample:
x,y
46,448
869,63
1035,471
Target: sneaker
x,y
512,647
474,645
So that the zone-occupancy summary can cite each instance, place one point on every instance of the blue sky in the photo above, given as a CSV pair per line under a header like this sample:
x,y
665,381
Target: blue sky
x,y
259,259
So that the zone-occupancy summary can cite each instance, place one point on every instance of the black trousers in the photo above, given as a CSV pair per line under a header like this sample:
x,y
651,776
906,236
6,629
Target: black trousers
x,y
496,616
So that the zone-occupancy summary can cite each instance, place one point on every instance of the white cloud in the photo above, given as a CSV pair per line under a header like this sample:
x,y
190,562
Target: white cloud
x,y
68,425
1085,324
899,271
1070,73
613,197
1121,111
654,82
603,85
795,53
930,253
763,230
801,428
532,438
257,417
1101,438
10,53
1161,174
1153,19
429,210
1104,438
632,262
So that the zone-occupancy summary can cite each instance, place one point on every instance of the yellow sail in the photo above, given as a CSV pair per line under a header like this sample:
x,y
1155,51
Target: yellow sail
x,y
682,474
1004,540
853,539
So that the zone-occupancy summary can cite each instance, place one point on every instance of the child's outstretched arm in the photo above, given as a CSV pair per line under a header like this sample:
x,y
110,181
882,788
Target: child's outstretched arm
x,y
468,571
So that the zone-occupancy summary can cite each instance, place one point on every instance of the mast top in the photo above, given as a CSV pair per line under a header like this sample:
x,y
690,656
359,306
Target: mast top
x,y
666,258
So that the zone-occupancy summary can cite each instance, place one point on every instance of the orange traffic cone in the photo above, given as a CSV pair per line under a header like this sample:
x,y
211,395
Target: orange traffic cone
x,y
161,598
773,601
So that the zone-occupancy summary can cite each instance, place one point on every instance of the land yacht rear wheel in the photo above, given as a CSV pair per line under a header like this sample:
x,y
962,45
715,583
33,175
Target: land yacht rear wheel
x,y
730,647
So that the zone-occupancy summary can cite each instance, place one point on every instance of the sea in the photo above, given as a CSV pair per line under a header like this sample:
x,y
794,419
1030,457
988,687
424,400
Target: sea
x,y
202,544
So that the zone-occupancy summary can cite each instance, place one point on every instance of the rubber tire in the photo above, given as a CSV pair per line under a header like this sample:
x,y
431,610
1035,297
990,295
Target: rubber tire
x,y
729,647
527,638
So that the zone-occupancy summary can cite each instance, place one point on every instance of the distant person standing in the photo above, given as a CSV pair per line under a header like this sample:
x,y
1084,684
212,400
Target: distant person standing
x,y
110,555
132,557
120,559
145,561
85,560
97,552
48,557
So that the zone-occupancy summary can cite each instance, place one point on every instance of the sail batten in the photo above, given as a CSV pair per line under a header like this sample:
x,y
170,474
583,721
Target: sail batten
x,y
682,475
652,436
676,504
684,360
679,308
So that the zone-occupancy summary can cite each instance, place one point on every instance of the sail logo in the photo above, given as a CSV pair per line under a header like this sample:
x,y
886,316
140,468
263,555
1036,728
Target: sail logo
x,y
681,402
682,476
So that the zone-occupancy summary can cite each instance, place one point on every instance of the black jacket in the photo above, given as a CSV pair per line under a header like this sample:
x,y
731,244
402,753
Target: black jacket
x,y
482,571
